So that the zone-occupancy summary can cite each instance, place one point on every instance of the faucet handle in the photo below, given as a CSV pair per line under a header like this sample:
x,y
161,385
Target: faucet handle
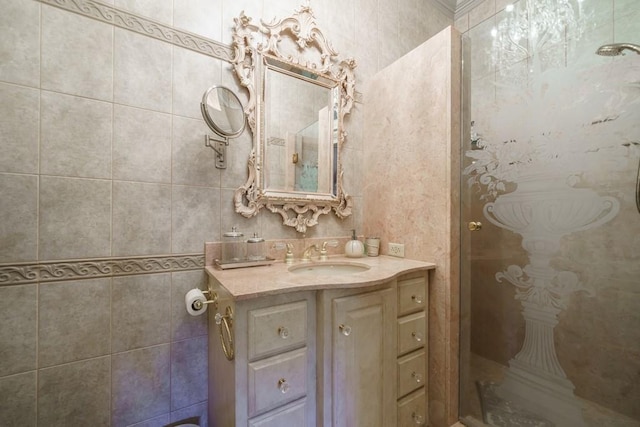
x,y
323,251
288,258
331,243
278,246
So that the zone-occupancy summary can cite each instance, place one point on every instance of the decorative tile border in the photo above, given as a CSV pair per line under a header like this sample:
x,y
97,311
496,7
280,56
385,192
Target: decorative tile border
x,y
145,26
51,271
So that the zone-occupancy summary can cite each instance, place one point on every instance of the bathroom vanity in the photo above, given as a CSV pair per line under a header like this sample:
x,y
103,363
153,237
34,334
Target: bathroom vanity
x,y
333,343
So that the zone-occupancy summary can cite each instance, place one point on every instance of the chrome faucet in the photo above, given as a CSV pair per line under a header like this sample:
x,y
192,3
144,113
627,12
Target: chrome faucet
x,y
306,255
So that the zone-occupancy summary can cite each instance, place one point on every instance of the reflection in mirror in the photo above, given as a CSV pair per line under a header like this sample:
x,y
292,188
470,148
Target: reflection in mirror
x,y
299,93
298,123
223,113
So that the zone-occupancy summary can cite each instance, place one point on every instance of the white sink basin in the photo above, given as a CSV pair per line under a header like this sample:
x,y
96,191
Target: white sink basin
x,y
329,268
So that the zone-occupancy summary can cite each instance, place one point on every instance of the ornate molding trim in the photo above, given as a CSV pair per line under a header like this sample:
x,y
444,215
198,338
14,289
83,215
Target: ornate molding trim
x,y
52,271
145,26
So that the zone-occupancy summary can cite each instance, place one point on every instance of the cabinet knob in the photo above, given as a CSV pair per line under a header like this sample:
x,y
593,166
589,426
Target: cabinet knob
x,y
417,377
417,336
283,385
345,329
417,299
283,331
417,418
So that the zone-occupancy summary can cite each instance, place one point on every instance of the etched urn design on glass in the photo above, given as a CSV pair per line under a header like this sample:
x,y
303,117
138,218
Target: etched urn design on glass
x,y
543,210
537,153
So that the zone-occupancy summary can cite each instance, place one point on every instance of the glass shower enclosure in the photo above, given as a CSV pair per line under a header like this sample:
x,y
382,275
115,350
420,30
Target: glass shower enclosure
x,y
550,289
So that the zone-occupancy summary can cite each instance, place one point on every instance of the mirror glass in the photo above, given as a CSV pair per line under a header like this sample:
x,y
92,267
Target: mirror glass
x,y
300,151
222,111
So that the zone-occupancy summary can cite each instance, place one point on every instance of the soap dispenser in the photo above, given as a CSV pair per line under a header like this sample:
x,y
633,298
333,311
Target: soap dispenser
x,y
354,247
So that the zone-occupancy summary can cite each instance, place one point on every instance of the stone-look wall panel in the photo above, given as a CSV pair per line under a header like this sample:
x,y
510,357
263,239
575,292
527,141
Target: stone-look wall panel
x,y
416,125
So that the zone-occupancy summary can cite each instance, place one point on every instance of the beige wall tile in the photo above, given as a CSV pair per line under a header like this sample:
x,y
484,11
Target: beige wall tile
x,y
158,10
141,311
141,385
74,321
75,218
18,210
188,372
20,42
141,218
142,71
19,115
77,55
18,402
201,17
75,394
193,74
18,311
76,136
141,145
195,216
193,162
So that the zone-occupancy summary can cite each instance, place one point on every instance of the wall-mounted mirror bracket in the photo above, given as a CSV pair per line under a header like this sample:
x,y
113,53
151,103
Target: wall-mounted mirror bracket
x,y
223,113
220,147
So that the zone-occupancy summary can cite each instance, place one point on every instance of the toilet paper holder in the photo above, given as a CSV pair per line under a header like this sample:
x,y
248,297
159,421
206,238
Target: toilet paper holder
x,y
212,298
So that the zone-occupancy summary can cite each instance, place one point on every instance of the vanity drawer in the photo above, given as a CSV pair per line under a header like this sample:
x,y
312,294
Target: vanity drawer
x,y
412,410
276,329
411,372
290,415
276,381
411,332
412,295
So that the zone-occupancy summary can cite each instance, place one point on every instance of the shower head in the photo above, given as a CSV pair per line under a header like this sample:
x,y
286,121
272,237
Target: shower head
x,y
616,49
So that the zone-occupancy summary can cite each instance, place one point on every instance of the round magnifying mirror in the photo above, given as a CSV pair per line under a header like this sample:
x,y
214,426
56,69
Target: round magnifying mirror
x,y
222,111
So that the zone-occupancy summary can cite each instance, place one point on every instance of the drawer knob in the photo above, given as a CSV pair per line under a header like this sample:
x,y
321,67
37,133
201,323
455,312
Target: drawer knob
x,y
417,336
345,329
417,299
283,331
417,377
417,418
283,385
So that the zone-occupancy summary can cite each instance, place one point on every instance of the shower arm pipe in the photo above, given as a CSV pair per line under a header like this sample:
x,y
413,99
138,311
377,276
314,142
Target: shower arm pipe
x,y
616,49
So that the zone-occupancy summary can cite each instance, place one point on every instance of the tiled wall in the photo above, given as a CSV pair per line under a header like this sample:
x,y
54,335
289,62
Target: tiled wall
x,y
102,156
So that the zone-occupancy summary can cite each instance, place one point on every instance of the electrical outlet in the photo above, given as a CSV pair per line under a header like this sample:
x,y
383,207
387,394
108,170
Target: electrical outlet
x,y
396,249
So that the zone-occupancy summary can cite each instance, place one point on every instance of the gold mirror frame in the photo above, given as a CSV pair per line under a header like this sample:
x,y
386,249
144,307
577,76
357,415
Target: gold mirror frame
x,y
296,211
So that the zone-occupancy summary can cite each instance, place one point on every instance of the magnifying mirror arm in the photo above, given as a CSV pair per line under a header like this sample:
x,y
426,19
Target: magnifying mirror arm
x,y
220,147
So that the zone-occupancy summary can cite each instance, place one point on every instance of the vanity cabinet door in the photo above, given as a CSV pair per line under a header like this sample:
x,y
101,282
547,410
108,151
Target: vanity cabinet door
x,y
363,390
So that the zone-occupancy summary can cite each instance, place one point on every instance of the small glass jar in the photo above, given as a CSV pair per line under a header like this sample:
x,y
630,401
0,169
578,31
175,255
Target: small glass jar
x,y
234,248
256,248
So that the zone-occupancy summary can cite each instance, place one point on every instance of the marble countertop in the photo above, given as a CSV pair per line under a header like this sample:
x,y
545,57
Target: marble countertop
x,y
252,282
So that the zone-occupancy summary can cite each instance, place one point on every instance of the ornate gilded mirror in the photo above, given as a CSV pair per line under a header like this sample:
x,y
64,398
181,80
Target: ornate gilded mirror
x,y
299,93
